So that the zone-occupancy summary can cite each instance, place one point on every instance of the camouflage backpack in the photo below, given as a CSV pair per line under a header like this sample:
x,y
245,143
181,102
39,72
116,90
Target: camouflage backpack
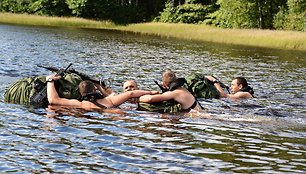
x,y
201,87
24,89
161,107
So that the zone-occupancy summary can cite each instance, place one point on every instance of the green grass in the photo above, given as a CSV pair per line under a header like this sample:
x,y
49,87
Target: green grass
x,y
289,40
251,37
35,20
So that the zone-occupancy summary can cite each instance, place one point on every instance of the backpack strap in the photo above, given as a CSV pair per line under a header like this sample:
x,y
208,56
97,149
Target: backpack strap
x,y
93,97
177,83
248,89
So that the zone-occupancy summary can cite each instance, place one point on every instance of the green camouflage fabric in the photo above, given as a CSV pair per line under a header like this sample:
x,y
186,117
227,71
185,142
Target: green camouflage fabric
x,y
22,90
161,107
68,87
201,87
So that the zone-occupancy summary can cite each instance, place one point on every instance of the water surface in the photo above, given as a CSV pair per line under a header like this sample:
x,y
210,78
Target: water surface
x,y
262,135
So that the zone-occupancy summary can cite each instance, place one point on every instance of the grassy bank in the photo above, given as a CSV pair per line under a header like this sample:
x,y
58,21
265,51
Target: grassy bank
x,y
262,38
24,19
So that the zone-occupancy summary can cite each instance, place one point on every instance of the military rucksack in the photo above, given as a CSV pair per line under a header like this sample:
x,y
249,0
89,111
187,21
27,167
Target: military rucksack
x,y
24,89
201,87
161,107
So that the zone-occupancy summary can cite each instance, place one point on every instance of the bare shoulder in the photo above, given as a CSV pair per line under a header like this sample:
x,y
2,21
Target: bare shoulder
x,y
241,95
181,91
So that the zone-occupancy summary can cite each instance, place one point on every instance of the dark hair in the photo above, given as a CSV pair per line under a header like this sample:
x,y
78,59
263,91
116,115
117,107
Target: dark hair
x,y
245,86
86,87
242,81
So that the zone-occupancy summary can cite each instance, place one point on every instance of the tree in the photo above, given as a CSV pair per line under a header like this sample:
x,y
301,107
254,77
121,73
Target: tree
x,y
246,13
14,6
266,11
189,12
296,18
235,14
49,7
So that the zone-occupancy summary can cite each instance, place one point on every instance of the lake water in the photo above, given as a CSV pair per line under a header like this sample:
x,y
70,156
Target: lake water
x,y
262,135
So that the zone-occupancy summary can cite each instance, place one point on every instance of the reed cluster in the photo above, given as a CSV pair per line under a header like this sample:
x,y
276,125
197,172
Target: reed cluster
x,y
289,40
25,19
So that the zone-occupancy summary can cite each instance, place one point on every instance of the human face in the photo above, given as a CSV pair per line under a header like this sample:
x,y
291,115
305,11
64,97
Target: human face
x,y
129,86
165,84
235,87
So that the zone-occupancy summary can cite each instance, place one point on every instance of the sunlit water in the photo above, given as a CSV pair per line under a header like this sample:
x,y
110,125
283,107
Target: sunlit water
x,y
262,135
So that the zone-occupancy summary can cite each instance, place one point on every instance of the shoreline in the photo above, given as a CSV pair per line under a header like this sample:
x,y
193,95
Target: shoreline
x,y
274,39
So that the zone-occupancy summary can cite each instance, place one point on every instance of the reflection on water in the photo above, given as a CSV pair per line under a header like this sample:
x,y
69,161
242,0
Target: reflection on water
x,y
261,135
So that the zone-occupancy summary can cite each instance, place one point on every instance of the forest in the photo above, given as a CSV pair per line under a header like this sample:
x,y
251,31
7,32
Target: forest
x,y
241,14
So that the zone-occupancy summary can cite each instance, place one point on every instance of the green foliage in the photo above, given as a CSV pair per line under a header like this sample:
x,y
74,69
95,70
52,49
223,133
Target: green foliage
x,y
14,6
280,19
41,7
191,13
106,10
292,16
263,14
123,11
76,6
234,14
49,7
296,18
186,13
167,15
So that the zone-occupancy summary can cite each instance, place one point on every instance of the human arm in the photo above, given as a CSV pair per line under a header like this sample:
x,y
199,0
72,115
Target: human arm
x,y
53,97
123,97
217,85
157,98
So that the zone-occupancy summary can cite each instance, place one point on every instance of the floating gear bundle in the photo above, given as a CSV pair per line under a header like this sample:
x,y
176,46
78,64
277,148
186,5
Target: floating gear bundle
x,y
22,91
33,90
161,107
201,87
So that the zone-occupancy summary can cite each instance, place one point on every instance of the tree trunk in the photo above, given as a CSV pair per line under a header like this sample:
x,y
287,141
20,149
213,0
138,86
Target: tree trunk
x,y
260,17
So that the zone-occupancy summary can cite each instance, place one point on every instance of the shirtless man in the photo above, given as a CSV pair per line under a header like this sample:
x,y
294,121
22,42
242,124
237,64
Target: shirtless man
x,y
239,88
180,94
129,85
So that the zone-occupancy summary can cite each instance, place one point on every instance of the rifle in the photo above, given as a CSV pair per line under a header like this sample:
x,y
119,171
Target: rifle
x,y
161,87
40,98
83,76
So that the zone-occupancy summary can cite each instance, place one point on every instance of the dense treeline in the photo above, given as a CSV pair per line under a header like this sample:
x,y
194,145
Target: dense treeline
x,y
262,14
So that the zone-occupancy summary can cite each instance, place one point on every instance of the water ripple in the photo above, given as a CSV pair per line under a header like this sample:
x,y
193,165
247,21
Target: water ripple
x,y
261,135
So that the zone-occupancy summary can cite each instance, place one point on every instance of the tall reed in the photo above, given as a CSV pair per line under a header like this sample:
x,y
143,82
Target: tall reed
x,y
25,19
290,40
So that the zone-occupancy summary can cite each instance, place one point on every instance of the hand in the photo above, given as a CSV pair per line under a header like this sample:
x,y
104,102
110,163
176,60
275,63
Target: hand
x,y
154,92
210,78
105,91
52,77
109,91
145,98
